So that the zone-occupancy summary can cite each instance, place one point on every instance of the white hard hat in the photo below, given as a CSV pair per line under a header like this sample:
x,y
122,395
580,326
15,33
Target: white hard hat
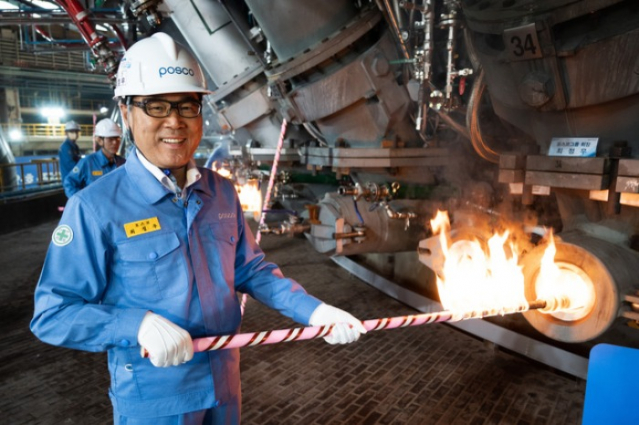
x,y
107,128
158,65
72,126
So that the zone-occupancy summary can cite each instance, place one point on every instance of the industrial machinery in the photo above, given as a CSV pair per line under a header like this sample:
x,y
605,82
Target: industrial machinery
x,y
507,114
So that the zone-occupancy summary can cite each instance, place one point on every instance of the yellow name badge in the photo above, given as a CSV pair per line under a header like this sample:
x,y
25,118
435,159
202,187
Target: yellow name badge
x,y
141,227
96,173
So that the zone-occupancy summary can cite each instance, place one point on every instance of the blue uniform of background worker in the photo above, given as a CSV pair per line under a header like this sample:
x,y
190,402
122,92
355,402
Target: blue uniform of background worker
x,y
69,152
152,255
90,168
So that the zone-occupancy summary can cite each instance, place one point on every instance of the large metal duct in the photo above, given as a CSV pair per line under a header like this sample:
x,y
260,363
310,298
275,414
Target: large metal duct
x,y
216,42
292,26
241,97
548,65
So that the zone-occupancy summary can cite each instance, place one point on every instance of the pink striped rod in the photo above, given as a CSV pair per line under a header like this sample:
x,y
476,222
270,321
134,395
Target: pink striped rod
x,y
250,339
267,198
223,342
271,180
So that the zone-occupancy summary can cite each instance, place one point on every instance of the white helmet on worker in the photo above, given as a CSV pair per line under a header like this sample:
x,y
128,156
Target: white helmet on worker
x,y
158,65
107,128
72,126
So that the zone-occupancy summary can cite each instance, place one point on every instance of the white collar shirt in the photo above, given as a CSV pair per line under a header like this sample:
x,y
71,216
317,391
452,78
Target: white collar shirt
x,y
192,175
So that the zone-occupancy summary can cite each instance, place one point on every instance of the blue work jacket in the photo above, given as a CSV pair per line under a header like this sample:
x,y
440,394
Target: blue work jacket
x,y
69,154
126,245
89,169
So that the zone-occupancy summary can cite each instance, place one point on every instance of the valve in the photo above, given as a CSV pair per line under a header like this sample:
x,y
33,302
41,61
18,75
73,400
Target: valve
x,y
370,192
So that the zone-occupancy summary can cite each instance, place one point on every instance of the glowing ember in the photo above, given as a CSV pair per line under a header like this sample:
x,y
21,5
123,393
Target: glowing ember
x,y
486,276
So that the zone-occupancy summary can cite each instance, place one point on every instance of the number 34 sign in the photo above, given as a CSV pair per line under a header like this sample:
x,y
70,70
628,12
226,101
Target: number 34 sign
x,y
522,43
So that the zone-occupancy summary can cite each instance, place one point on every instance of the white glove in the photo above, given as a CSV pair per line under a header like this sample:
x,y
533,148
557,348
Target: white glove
x,y
166,343
347,328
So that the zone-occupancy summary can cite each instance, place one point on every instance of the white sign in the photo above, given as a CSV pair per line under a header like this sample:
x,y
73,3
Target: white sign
x,y
522,43
584,147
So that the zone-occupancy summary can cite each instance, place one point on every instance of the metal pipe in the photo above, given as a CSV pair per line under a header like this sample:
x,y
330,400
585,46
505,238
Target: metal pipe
x,y
315,133
120,35
398,13
97,42
424,70
450,22
349,235
65,42
43,33
398,34
14,21
537,304
459,128
398,215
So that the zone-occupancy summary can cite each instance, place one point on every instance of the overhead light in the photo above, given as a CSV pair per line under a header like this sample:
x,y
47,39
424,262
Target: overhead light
x,y
52,112
104,110
5,5
45,4
15,135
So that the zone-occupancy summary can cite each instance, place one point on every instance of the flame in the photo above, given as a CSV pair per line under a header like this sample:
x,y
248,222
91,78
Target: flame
x,y
565,284
486,277
249,192
223,171
441,225
250,196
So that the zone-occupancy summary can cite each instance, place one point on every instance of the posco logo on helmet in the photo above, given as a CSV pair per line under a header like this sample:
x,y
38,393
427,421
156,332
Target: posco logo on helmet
x,y
171,70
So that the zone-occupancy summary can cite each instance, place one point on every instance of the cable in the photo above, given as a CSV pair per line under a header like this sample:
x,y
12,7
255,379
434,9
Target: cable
x,y
472,121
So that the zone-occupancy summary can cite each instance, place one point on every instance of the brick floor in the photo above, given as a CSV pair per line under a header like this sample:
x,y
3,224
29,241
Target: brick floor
x,y
431,374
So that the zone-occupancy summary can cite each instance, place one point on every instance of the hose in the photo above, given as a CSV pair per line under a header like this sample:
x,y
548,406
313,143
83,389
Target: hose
x,y
472,120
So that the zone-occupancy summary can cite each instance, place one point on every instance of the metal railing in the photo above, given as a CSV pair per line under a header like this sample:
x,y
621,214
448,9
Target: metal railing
x,y
47,172
62,98
44,130
12,54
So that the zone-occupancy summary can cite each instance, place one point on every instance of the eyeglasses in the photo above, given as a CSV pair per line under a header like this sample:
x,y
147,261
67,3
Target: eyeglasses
x,y
162,108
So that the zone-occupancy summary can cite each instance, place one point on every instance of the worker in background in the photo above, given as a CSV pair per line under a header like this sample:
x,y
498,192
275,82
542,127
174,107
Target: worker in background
x,y
90,168
153,255
69,151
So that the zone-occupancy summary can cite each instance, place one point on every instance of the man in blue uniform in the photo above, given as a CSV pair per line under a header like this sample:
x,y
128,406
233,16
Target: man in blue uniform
x,y
106,159
69,152
151,256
